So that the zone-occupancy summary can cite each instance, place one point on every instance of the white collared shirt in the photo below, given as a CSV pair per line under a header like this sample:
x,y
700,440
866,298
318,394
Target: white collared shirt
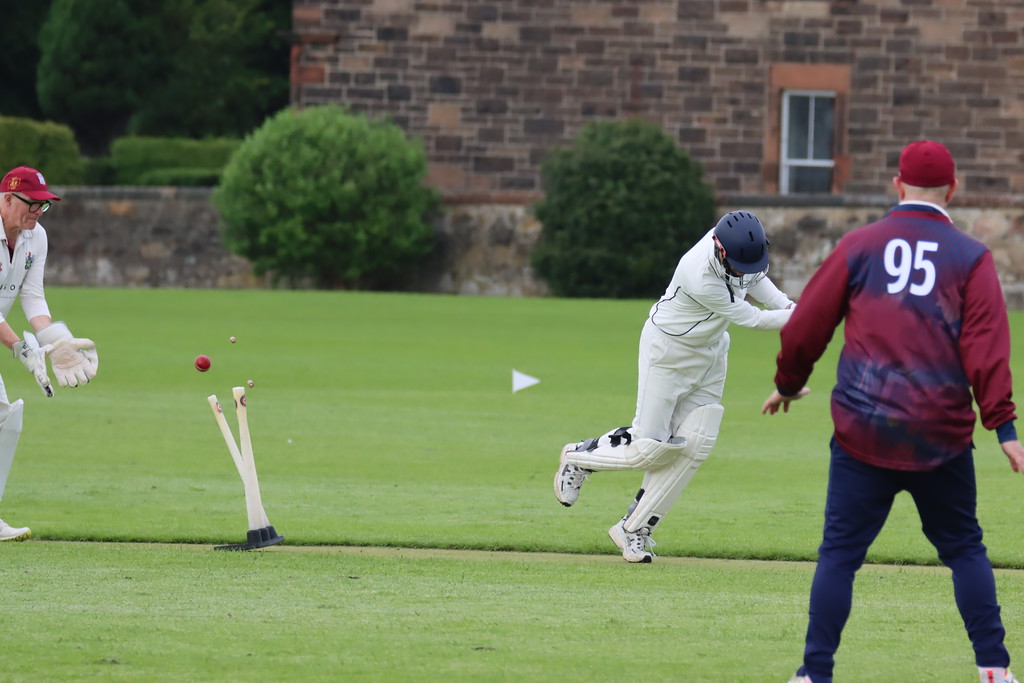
x,y
698,306
22,274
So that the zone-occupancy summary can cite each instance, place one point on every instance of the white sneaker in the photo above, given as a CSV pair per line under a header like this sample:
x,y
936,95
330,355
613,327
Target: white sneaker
x,y
995,674
801,679
569,478
13,533
633,545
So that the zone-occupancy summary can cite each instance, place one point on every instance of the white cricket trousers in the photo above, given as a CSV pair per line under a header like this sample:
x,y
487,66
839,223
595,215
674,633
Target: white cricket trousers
x,y
673,379
10,431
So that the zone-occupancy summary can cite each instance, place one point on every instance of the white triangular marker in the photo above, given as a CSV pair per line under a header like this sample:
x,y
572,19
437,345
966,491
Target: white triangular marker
x,y
521,381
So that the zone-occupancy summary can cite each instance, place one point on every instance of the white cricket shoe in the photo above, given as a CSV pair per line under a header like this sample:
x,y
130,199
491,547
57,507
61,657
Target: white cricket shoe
x,y
569,478
801,679
13,533
995,674
634,546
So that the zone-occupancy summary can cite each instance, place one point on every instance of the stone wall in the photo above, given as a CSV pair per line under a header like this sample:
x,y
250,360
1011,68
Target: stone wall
x,y
140,237
145,237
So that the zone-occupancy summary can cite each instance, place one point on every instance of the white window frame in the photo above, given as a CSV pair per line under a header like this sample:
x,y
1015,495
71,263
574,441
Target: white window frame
x,y
787,163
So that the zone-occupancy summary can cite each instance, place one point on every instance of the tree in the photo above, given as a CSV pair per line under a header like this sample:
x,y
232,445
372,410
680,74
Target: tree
x,y
19,34
186,68
96,64
226,73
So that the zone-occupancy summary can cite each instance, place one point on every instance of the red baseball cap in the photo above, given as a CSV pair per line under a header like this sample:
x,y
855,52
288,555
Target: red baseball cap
x,y
27,181
927,164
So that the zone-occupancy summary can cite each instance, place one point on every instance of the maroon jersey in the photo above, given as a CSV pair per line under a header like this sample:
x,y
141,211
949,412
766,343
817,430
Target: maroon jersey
x,y
925,324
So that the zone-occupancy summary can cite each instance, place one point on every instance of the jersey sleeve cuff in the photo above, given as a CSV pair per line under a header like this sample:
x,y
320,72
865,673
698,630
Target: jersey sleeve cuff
x,y
784,393
1007,431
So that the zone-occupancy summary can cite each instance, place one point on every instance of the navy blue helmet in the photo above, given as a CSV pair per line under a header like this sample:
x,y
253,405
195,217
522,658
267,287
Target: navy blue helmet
x,y
746,246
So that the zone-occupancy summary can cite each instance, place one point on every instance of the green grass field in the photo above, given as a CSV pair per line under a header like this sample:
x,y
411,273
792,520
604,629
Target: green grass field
x,y
414,490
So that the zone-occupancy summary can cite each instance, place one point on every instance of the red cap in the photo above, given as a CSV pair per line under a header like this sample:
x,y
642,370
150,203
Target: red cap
x,y
927,164
27,181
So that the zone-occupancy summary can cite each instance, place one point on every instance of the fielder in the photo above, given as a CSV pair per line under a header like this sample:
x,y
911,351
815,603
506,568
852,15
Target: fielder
x,y
903,403
682,366
24,197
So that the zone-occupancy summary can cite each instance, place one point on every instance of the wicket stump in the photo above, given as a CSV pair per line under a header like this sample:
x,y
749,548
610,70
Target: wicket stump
x,y
261,533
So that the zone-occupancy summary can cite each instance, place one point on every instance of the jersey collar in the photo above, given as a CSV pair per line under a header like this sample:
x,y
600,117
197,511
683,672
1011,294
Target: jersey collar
x,y
929,205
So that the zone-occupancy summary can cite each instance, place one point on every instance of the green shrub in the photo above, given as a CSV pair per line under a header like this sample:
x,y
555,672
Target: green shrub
x,y
44,145
621,205
170,161
328,195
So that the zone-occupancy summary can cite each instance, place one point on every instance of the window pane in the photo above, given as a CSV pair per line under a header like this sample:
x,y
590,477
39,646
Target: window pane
x,y
824,108
809,179
797,126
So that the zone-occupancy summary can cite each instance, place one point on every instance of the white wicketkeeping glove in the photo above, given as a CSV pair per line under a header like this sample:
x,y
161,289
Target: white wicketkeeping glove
x,y
74,360
34,360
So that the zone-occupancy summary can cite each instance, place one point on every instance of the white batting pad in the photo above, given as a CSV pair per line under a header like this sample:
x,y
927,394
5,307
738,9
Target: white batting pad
x,y
618,450
664,485
700,429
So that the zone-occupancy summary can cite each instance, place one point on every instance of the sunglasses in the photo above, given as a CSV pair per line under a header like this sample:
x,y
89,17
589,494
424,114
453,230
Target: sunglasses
x,y
41,207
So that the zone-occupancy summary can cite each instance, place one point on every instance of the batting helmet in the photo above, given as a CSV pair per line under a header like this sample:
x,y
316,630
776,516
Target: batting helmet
x,y
746,246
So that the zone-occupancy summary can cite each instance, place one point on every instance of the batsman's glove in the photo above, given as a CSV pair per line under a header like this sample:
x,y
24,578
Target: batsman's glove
x,y
34,360
74,360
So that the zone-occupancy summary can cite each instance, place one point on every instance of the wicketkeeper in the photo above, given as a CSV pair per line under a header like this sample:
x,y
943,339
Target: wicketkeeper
x,y
24,197
683,357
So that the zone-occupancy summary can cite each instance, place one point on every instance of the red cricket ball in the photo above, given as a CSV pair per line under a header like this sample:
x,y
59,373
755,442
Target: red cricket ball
x,y
202,363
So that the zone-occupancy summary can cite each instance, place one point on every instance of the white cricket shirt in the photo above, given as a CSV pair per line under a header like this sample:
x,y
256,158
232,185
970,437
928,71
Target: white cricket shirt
x,y
22,274
697,306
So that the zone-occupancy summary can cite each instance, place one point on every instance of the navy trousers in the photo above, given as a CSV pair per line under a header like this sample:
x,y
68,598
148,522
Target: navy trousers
x,y
859,499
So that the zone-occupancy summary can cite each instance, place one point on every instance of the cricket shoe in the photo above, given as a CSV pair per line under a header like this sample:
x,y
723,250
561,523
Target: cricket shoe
x,y
569,478
13,533
634,545
801,679
995,674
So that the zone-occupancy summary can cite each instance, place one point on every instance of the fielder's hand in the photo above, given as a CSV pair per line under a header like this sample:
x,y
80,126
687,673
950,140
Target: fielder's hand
x,y
74,360
34,360
772,403
1015,452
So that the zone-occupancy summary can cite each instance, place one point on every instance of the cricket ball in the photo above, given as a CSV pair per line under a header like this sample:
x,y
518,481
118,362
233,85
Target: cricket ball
x,y
202,363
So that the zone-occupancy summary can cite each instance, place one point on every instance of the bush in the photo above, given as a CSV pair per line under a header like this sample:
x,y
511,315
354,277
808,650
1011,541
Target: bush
x,y
170,161
621,205
328,195
47,146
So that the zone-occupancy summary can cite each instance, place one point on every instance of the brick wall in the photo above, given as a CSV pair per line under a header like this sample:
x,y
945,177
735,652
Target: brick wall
x,y
492,85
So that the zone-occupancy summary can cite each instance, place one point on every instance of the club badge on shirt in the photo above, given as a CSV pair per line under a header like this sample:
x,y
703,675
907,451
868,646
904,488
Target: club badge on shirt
x,y
29,258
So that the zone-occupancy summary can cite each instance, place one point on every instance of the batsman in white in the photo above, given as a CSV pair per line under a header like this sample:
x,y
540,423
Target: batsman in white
x,y
24,197
684,349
